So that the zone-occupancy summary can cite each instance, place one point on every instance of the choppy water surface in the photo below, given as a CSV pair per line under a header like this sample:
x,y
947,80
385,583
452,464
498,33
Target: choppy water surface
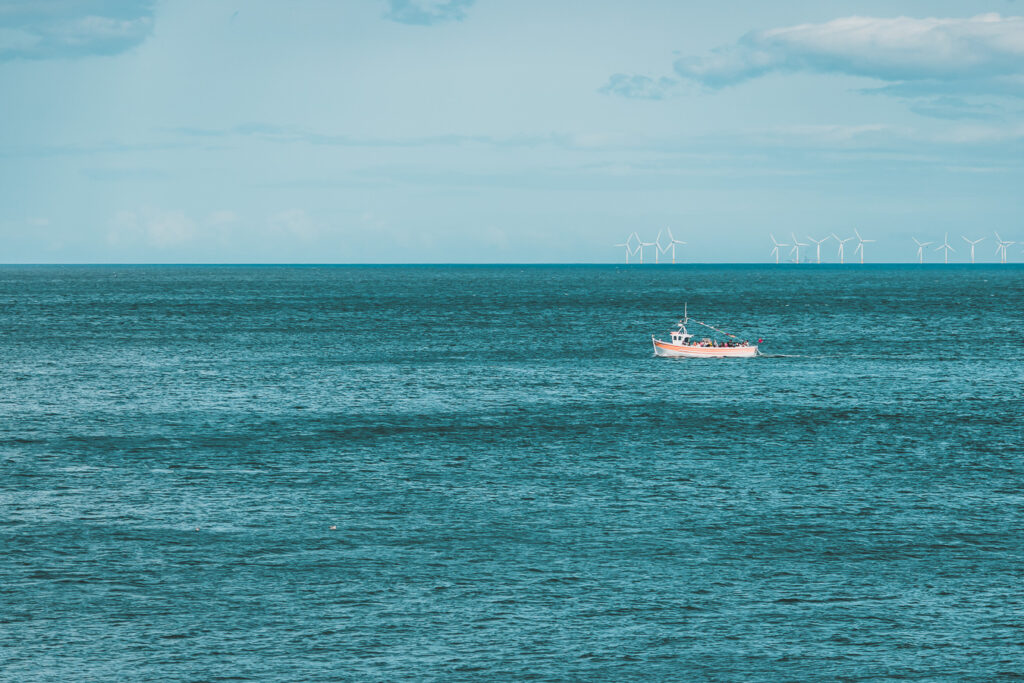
x,y
520,489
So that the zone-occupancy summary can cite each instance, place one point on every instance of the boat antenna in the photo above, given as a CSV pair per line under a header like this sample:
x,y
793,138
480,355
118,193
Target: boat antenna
x,y
685,316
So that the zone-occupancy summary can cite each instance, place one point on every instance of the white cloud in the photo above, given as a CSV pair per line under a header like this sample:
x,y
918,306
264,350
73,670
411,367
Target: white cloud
x,y
833,135
221,217
294,223
49,29
17,41
426,12
170,228
152,227
124,228
495,236
984,134
93,30
639,87
899,49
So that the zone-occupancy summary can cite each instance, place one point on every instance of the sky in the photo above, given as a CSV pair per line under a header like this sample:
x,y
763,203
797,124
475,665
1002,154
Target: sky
x,y
506,131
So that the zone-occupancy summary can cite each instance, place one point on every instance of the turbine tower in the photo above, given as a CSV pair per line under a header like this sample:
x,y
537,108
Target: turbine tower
x,y
1001,248
972,243
795,251
672,242
860,245
842,252
945,245
817,248
920,249
775,250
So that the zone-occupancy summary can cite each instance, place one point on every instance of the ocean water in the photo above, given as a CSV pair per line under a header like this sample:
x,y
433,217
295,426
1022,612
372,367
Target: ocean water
x,y
469,473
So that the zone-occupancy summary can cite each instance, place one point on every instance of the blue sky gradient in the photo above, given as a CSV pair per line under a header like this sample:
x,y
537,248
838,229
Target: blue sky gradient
x,y
492,131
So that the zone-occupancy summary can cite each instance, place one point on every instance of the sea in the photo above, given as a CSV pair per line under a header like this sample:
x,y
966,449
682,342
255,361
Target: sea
x,y
465,473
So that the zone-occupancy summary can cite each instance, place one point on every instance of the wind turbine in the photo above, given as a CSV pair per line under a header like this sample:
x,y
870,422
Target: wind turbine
x,y
1001,248
627,243
860,245
945,245
640,247
658,249
842,252
775,249
972,243
672,242
920,249
796,247
817,246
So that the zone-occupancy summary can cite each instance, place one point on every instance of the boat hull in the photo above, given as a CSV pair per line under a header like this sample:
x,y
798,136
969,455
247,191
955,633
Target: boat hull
x,y
673,351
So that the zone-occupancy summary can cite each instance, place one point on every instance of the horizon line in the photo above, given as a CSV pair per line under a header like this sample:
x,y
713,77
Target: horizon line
x,y
491,264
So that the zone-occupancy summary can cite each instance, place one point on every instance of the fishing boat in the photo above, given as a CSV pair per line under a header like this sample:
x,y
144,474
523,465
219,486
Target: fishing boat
x,y
682,344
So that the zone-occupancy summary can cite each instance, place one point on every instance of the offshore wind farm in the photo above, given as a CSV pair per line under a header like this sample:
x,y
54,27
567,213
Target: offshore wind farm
x,y
635,247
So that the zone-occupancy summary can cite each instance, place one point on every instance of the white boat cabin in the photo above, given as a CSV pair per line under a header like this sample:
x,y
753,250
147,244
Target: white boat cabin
x,y
680,337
